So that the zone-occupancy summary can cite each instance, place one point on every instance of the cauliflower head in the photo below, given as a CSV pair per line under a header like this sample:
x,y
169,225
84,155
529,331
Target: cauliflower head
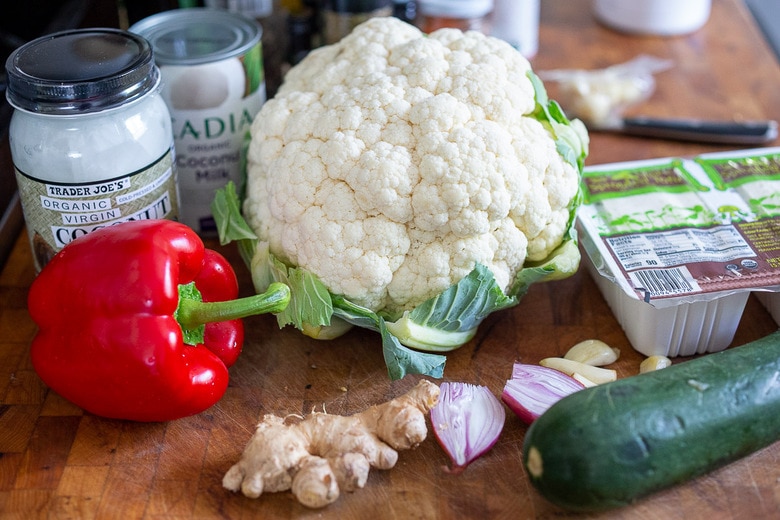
x,y
391,163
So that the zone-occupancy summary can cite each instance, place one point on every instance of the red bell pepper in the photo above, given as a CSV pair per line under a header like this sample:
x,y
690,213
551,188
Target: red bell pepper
x,y
116,338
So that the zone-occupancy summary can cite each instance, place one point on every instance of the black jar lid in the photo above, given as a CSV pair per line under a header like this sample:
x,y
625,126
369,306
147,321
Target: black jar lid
x,y
80,70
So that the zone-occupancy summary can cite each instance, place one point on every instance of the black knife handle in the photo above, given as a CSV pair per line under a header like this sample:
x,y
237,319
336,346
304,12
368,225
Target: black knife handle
x,y
749,132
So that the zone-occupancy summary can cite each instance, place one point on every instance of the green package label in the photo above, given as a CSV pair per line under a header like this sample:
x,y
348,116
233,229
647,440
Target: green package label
x,y
58,213
755,178
650,198
672,227
671,177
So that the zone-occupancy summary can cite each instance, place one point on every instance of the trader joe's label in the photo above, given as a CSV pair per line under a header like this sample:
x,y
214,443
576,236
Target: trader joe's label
x,y
58,213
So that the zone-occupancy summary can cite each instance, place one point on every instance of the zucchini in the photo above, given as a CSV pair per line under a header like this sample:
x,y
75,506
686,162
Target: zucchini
x,y
607,446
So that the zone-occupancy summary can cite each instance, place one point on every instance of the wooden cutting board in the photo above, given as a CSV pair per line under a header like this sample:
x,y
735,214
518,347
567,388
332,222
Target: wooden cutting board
x,y
58,462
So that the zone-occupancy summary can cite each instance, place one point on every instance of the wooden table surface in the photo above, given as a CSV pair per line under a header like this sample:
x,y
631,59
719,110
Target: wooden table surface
x,y
58,462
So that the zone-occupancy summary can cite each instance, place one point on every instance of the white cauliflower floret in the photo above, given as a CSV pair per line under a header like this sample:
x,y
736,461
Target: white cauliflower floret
x,y
392,162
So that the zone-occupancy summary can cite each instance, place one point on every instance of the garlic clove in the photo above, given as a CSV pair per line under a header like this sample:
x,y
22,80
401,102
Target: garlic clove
x,y
654,363
587,383
593,352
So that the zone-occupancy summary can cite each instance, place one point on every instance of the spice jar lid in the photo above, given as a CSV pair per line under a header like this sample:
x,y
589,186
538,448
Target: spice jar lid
x,y
198,35
81,70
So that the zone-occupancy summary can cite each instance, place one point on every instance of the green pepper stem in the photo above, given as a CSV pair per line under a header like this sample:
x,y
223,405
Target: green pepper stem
x,y
193,313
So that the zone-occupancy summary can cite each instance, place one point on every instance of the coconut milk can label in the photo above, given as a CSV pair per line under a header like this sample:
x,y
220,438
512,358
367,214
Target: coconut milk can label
x,y
212,107
57,214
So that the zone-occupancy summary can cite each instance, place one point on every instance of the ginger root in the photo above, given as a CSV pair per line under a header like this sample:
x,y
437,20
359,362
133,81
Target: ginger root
x,y
325,454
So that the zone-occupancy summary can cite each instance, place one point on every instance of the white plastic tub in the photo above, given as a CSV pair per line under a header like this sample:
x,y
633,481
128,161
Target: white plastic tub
x,y
680,328
771,300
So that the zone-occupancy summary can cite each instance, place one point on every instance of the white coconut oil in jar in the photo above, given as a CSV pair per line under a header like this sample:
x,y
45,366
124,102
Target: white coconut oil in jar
x,y
91,137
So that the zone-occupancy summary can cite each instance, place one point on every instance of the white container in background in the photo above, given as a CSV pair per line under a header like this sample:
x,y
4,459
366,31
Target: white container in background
x,y
658,17
517,22
90,136
683,328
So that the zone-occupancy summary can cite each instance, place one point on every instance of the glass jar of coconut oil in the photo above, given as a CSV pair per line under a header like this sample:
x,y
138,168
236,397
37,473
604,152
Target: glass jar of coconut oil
x,y
91,137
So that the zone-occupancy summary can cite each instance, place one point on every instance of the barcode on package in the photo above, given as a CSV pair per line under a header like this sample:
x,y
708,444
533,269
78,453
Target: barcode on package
x,y
664,282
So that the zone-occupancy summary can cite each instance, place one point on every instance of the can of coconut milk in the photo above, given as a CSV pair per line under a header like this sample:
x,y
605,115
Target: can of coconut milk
x,y
213,83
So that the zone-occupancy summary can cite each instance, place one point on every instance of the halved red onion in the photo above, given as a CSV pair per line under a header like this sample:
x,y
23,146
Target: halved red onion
x,y
467,422
534,388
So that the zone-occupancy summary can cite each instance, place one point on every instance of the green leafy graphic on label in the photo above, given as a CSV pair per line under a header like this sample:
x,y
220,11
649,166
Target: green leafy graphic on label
x,y
656,197
755,178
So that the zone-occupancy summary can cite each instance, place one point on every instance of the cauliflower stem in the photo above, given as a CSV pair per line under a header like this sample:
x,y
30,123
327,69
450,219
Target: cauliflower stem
x,y
451,318
440,324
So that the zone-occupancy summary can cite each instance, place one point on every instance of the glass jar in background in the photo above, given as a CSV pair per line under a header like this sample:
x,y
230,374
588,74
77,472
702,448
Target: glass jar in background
x,y
302,31
517,22
459,14
405,10
339,17
91,137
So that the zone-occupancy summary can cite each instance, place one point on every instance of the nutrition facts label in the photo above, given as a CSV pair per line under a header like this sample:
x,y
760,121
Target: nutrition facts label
x,y
679,247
